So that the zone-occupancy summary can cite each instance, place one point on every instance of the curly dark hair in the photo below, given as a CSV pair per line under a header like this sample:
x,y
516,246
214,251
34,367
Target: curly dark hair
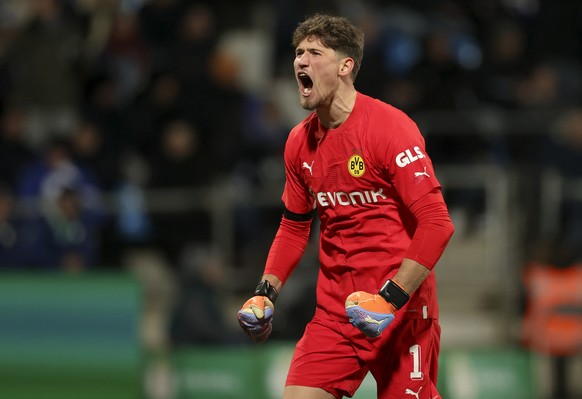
x,y
336,33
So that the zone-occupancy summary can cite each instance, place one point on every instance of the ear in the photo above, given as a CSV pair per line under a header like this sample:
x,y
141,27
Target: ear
x,y
346,66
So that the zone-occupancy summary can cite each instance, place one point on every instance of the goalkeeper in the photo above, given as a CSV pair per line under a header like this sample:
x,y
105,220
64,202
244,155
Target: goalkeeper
x,y
361,166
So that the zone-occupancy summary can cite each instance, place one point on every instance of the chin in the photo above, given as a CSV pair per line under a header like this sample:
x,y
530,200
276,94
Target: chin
x,y
306,104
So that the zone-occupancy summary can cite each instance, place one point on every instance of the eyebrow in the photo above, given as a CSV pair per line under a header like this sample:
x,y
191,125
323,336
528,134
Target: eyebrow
x,y
310,49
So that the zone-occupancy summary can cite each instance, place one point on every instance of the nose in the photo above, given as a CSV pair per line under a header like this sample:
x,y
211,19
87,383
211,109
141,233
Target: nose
x,y
302,59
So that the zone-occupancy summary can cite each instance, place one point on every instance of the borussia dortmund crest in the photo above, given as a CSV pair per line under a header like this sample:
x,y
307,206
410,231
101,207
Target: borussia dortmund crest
x,y
356,165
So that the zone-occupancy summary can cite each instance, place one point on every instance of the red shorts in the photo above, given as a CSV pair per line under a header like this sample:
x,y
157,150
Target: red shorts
x,y
336,356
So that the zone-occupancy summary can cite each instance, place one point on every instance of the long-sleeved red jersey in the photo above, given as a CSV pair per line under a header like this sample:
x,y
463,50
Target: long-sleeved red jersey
x,y
363,177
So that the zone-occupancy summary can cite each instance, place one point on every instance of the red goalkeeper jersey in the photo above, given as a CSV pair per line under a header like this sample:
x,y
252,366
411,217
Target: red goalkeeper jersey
x,y
361,177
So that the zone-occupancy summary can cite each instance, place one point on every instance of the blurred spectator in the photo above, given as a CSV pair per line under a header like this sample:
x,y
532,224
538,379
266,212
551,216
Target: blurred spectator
x,y
539,88
196,36
556,30
41,182
44,70
97,17
451,55
125,57
14,150
12,15
133,222
564,148
62,208
161,101
552,321
72,233
12,254
64,237
505,63
550,83
393,51
179,162
265,131
562,152
220,101
102,108
208,81
198,316
159,21
178,159
400,39
91,152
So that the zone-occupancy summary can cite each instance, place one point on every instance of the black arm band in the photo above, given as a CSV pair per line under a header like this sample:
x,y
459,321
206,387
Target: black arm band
x,y
266,289
297,216
392,293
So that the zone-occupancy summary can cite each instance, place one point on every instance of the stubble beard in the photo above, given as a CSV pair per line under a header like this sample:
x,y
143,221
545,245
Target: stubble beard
x,y
308,103
311,104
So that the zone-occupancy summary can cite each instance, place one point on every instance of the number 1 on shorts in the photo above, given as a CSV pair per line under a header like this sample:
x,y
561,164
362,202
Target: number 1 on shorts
x,y
416,374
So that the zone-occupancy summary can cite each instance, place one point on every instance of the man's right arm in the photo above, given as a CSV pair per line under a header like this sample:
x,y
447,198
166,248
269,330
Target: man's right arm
x,y
288,246
255,317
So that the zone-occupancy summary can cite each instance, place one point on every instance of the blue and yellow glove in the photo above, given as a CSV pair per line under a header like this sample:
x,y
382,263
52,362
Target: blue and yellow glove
x,y
372,313
256,315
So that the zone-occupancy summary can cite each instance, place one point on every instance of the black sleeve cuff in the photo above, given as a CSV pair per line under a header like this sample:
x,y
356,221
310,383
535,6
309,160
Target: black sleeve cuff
x,y
392,293
266,289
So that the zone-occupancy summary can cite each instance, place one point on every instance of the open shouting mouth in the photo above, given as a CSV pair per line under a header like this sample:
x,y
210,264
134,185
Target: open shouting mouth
x,y
305,84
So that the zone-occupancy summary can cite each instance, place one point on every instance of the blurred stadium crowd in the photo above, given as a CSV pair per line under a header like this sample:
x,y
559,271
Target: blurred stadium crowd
x,y
103,102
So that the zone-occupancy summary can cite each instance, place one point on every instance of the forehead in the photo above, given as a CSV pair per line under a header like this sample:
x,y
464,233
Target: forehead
x,y
314,42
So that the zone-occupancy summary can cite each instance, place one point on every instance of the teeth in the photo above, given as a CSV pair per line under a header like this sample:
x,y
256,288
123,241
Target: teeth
x,y
304,78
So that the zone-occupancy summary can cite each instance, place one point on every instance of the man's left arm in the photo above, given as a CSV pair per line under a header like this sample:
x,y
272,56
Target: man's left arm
x,y
410,275
372,313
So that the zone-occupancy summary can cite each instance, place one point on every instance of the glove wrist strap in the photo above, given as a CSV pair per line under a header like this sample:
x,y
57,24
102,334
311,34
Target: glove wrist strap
x,y
393,294
266,289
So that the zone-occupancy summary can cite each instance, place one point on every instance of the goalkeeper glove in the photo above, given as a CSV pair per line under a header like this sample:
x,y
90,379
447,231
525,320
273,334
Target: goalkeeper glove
x,y
372,313
256,315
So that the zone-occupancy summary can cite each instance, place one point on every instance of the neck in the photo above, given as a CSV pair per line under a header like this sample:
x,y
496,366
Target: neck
x,y
339,109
